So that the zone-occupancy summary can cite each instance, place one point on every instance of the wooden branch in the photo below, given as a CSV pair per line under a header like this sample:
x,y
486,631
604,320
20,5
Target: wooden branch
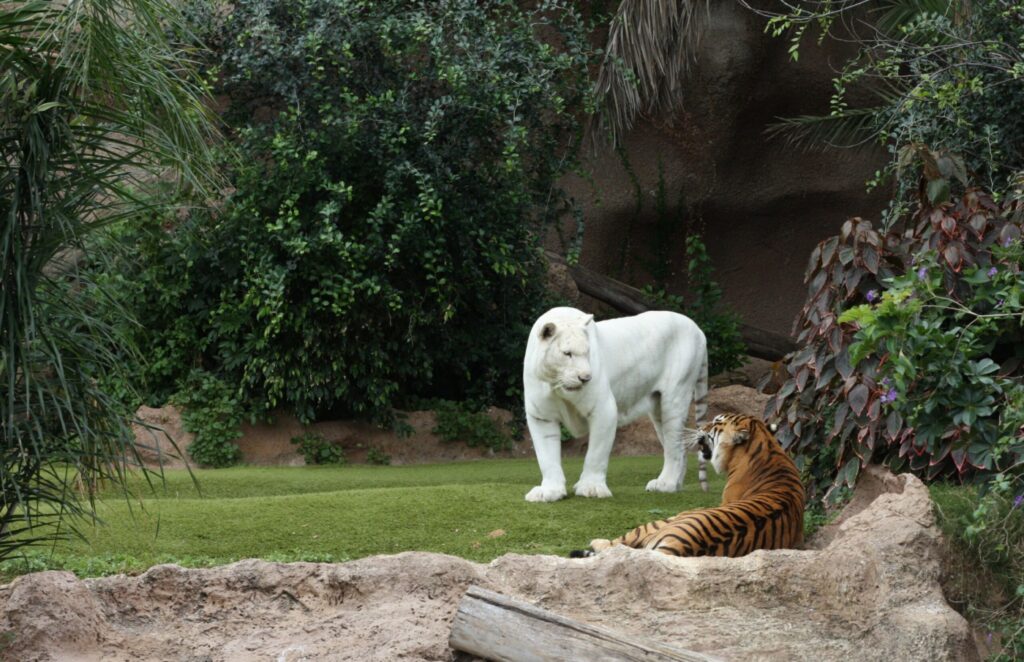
x,y
627,299
496,627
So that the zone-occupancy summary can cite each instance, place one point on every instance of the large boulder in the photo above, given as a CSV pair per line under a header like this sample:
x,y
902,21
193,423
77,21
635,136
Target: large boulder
x,y
866,589
160,438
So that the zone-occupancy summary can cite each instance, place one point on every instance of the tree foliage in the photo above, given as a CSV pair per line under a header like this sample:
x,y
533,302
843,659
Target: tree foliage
x,y
947,78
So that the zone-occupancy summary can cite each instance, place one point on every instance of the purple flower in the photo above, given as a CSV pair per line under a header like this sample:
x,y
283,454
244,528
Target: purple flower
x,y
992,272
889,396
885,381
871,295
1019,500
999,304
1007,241
922,273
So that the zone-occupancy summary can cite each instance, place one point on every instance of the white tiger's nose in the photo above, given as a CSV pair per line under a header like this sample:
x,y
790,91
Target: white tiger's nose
x,y
585,377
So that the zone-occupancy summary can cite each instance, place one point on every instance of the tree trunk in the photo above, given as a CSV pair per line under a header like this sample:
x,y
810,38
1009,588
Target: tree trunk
x,y
496,627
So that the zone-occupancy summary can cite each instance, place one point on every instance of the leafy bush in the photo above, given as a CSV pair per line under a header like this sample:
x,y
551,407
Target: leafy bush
x,y
211,412
317,450
377,456
986,581
458,422
911,348
159,267
382,242
726,349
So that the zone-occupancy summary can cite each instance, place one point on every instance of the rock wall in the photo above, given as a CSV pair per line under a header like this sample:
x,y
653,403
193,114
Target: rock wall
x,y
762,204
866,589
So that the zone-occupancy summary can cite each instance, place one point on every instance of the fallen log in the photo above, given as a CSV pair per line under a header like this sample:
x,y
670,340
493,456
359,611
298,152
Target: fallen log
x,y
627,299
496,627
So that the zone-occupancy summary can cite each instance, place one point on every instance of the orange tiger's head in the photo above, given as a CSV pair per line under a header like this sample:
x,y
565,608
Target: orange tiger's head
x,y
731,436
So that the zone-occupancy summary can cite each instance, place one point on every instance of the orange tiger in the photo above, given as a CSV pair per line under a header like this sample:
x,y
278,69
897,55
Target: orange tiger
x,y
762,506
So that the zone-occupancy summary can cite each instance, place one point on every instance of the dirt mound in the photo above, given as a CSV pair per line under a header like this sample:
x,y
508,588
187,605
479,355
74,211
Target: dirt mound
x,y
869,592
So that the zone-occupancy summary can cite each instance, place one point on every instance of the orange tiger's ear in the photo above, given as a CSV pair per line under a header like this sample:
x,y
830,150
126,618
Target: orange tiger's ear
x,y
547,331
746,433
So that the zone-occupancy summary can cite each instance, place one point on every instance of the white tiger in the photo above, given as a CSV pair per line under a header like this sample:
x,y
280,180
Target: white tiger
x,y
597,376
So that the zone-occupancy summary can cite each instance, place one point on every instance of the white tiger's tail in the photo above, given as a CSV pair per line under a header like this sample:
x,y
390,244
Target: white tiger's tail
x,y
700,402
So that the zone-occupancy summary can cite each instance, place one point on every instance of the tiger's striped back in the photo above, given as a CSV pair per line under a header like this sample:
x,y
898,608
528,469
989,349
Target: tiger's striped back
x,y
762,505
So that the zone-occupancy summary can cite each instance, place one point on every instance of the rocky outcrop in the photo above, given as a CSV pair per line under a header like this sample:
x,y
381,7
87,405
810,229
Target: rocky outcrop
x,y
867,589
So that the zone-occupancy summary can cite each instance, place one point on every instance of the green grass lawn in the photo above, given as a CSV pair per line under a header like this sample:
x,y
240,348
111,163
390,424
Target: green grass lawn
x,y
347,512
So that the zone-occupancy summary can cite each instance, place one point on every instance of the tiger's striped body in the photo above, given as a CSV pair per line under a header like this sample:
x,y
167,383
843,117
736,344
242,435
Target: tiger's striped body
x,y
762,505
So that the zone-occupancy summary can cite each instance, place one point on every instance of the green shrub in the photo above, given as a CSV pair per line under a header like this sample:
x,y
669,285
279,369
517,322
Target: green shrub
x,y
210,410
317,450
459,422
986,582
377,456
160,267
397,172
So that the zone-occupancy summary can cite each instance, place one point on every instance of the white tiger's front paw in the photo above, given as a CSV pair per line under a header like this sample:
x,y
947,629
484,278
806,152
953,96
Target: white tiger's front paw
x,y
593,490
541,494
661,485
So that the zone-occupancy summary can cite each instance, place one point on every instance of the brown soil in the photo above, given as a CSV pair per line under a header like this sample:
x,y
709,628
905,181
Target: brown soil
x,y
162,438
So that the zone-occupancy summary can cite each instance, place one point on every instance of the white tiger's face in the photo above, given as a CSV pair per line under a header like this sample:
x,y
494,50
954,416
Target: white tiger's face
x,y
566,358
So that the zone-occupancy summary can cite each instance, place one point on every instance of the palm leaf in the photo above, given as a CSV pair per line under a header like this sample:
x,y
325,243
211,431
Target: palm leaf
x,y
96,96
651,44
850,128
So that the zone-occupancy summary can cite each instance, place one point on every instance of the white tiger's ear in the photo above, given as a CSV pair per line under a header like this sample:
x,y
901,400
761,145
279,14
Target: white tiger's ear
x,y
547,331
588,320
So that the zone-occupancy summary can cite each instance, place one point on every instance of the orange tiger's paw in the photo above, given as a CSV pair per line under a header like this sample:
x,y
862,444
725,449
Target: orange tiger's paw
x,y
600,544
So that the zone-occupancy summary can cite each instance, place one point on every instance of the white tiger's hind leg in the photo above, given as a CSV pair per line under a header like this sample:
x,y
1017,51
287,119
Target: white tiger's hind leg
x,y
670,434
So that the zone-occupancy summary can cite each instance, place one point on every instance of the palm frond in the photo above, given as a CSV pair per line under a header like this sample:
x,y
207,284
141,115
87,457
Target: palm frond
x,y
651,44
892,14
95,96
850,128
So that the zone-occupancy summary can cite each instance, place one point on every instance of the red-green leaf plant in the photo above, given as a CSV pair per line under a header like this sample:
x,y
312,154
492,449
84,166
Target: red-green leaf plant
x,y
911,348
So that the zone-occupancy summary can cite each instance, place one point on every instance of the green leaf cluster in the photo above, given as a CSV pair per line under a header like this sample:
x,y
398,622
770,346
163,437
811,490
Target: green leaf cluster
x,y
395,171
726,349
460,422
317,450
95,97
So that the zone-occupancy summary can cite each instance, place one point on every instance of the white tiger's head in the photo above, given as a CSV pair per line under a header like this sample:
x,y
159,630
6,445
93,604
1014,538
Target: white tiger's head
x,y
565,350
